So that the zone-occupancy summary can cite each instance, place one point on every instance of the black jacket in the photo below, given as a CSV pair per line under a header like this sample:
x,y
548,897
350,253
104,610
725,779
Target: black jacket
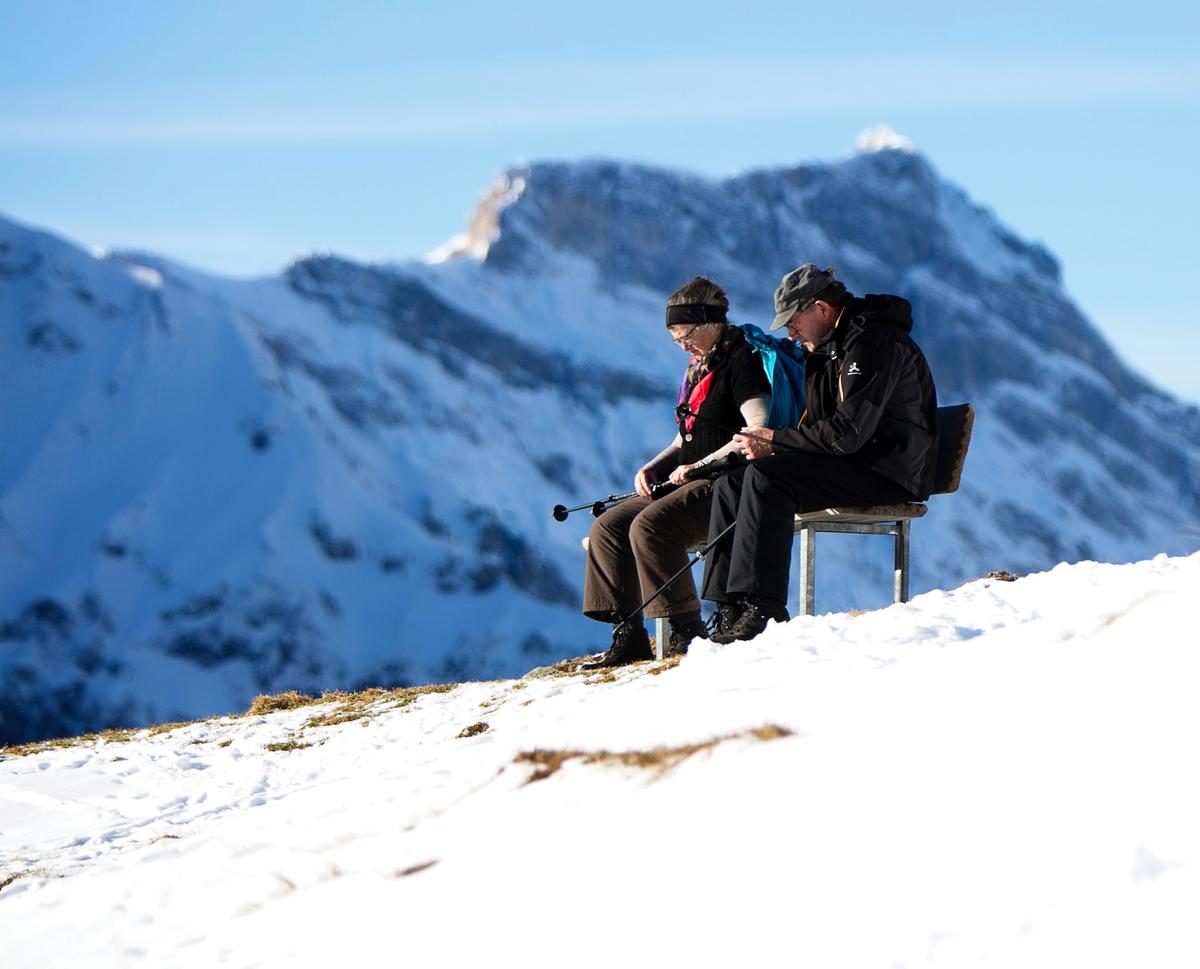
x,y
736,379
871,395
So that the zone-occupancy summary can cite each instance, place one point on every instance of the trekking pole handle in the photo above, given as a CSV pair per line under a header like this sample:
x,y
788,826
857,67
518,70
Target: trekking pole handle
x,y
599,507
560,512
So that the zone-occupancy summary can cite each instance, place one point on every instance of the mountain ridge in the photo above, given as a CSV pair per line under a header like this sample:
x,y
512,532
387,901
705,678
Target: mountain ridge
x,y
342,474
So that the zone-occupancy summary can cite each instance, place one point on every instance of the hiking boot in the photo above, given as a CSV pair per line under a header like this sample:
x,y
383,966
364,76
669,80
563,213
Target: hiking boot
x,y
630,643
723,618
683,631
750,621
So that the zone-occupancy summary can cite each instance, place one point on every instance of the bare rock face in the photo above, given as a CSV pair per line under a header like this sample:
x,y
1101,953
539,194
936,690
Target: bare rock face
x,y
342,476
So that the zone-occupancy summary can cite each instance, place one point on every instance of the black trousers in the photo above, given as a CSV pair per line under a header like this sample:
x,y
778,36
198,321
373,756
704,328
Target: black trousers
x,y
755,558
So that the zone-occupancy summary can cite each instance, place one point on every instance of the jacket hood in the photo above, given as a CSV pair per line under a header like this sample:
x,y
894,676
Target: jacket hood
x,y
875,308
870,310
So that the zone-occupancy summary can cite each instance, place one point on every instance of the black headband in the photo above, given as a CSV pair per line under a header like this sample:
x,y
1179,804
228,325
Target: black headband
x,y
695,313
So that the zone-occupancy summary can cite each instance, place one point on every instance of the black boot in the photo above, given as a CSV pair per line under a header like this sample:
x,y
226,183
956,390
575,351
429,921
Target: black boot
x,y
755,613
630,644
723,618
683,630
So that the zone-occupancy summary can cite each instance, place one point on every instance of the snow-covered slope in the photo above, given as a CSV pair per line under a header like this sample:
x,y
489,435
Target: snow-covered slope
x,y
995,775
341,476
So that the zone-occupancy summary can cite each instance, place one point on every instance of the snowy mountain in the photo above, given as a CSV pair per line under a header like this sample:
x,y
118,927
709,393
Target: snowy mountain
x,y
994,775
342,476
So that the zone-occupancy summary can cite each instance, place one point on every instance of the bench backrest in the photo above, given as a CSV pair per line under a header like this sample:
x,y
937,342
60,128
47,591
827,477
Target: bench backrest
x,y
954,437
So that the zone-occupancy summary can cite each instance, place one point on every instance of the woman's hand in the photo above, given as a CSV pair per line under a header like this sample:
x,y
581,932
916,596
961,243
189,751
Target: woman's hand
x,y
645,478
754,442
681,474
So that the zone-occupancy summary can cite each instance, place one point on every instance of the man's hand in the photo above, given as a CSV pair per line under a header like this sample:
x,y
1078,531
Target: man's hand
x,y
754,442
645,478
681,474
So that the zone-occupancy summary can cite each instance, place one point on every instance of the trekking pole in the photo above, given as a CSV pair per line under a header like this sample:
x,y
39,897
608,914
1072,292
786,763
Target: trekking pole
x,y
561,512
657,490
599,507
700,554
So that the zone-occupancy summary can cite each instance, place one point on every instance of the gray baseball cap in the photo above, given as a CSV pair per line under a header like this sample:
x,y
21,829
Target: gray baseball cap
x,y
799,286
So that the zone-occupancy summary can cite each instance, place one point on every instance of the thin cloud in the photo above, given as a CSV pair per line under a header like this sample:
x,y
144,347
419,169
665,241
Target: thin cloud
x,y
486,99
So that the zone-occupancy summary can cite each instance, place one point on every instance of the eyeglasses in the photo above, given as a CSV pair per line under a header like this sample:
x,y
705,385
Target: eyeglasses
x,y
681,340
800,310
806,306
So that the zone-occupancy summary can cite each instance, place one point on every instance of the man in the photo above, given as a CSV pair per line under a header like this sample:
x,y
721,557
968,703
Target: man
x,y
869,437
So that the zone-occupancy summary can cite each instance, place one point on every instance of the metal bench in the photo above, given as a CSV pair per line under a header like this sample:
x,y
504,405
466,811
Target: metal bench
x,y
954,437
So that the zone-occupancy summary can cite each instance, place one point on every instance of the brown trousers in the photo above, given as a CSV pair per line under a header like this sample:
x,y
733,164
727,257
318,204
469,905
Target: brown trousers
x,y
635,546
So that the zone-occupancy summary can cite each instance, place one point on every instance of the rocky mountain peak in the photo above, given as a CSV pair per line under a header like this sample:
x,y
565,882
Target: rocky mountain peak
x,y
343,475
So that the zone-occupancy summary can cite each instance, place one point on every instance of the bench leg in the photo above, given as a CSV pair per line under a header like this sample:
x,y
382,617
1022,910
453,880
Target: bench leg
x,y
662,633
808,570
902,560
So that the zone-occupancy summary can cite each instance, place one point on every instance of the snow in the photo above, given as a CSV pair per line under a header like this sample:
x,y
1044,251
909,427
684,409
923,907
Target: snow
x,y
993,775
456,245
972,232
881,137
147,276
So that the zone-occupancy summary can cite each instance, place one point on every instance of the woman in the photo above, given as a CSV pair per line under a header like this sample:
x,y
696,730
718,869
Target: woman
x,y
635,546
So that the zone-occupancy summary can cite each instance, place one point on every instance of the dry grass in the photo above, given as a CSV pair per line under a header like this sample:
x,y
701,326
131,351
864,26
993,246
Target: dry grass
x,y
161,728
9,879
264,704
414,869
291,744
351,706
27,873
118,735
658,759
574,668
372,702
667,664
1002,576
474,730
58,743
565,667
363,705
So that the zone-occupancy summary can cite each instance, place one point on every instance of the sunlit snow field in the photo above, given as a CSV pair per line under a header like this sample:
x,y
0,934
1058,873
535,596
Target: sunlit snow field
x,y
1003,774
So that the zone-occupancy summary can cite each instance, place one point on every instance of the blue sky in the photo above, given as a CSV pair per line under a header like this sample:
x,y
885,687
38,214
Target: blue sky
x,y
233,135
